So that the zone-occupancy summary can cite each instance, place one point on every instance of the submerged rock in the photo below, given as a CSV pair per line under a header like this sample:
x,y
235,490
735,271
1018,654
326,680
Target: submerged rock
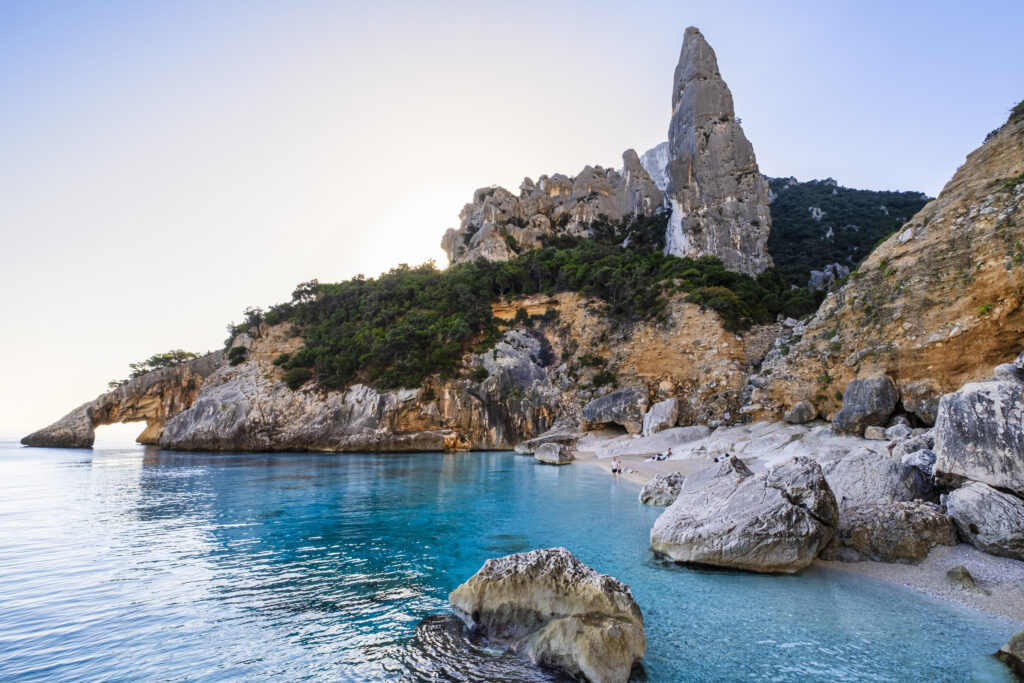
x,y
625,407
554,454
866,402
663,489
728,517
552,608
988,519
890,532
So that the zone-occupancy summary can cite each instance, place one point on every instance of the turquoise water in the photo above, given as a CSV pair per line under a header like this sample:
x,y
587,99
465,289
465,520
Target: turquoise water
x,y
134,564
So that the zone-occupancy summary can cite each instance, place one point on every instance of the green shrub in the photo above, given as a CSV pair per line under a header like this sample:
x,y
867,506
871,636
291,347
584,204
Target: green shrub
x,y
296,377
604,378
984,309
590,361
282,359
478,374
237,355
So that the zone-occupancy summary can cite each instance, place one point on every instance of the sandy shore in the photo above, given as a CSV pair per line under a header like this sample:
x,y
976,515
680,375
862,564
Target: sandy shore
x,y
1002,578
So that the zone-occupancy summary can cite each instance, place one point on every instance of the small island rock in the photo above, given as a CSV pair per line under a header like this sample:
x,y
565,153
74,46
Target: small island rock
x,y
557,611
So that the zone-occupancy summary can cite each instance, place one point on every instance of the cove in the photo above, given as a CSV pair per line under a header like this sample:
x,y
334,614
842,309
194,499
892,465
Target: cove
x,y
139,564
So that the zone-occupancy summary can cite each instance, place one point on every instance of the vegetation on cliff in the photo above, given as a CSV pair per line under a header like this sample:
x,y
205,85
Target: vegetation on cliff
x,y
412,322
819,222
157,361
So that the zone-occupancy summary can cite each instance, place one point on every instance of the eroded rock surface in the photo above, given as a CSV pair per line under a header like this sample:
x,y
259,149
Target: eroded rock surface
x,y
988,519
890,532
663,489
661,416
553,454
719,198
864,476
979,434
726,516
1013,653
866,402
552,608
154,398
625,407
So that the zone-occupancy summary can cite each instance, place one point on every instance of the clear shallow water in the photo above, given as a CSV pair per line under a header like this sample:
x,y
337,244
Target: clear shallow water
x,y
134,564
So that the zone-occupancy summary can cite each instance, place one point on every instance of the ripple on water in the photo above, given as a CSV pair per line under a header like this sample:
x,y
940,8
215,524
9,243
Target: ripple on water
x,y
137,564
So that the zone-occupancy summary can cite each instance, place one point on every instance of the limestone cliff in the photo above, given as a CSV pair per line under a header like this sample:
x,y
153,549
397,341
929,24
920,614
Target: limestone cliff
x,y
937,305
153,398
497,225
718,197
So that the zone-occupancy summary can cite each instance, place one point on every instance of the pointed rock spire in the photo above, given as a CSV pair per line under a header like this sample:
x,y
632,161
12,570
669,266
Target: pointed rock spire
x,y
718,197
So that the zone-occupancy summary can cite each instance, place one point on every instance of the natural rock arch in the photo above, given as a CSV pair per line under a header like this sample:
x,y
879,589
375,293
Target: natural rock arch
x,y
153,398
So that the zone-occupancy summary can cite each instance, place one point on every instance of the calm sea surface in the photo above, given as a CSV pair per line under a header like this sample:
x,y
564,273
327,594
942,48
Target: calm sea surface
x,y
126,563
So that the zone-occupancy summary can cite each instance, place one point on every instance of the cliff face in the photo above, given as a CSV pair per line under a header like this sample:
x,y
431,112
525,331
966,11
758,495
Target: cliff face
x,y
935,306
706,173
718,197
153,398
497,225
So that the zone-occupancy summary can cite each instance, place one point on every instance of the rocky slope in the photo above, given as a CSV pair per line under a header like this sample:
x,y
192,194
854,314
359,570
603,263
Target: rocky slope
x,y
936,305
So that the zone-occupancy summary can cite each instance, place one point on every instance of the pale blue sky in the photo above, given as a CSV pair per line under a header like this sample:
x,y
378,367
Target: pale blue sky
x,y
164,165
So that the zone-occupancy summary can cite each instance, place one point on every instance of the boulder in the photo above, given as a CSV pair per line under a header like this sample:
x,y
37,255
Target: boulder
x,y
921,399
802,413
554,454
625,407
565,438
989,520
890,532
874,433
661,416
726,516
1012,654
898,431
864,477
663,489
557,611
979,434
959,577
866,402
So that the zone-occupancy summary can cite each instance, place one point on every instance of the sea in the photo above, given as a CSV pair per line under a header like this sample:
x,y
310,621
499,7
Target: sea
x,y
130,563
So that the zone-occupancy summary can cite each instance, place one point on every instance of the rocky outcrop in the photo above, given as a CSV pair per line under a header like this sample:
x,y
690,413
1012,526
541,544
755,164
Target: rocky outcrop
x,y
864,477
960,577
557,611
625,407
728,517
153,398
663,489
1012,654
719,198
890,532
802,413
661,416
248,407
934,307
988,519
979,432
497,225
866,402
553,454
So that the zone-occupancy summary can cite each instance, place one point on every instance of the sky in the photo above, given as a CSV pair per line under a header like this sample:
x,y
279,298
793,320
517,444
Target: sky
x,y
164,165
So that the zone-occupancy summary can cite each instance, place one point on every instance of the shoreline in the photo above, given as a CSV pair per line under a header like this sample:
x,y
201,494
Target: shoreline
x,y
1002,577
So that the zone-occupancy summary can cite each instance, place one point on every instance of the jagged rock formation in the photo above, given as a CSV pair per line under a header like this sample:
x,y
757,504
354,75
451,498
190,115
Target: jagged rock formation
x,y
154,398
937,305
718,197
553,454
557,611
625,407
497,225
248,407
890,532
727,516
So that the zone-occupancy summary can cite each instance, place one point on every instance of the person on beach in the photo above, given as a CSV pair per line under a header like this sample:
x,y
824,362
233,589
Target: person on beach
x,y
616,467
